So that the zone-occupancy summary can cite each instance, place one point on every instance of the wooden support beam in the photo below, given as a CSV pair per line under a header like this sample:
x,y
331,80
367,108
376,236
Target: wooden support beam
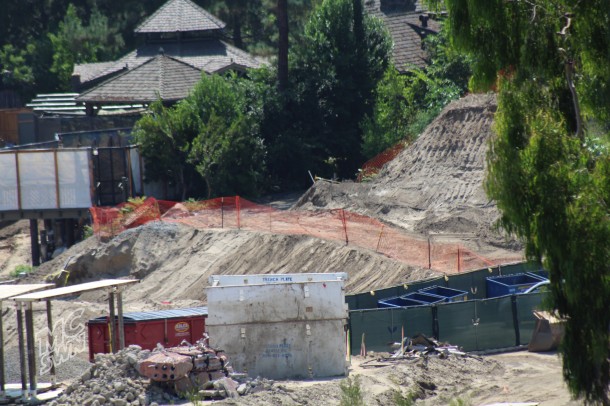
x,y
24,379
29,332
2,376
34,242
119,302
113,346
51,343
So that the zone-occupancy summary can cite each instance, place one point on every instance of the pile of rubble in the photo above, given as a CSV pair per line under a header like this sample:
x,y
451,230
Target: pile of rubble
x,y
419,347
115,379
198,369
422,346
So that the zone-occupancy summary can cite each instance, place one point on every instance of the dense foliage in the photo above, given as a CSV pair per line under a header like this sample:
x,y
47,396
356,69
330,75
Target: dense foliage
x,y
405,104
207,144
36,35
336,68
549,164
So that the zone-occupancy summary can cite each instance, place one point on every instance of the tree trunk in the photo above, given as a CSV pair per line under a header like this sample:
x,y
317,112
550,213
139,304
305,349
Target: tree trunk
x,y
237,37
282,60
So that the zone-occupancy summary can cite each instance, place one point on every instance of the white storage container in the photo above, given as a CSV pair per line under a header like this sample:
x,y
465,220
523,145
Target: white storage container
x,y
281,330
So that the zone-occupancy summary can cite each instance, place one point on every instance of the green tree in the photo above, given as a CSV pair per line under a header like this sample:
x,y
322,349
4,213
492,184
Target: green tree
x,y
335,70
74,43
208,143
16,70
405,104
549,166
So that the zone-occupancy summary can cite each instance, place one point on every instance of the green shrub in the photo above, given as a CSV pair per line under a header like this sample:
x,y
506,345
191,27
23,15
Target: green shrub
x,y
21,269
351,393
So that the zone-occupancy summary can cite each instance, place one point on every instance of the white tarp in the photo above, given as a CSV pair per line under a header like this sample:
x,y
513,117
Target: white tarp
x,y
38,184
74,180
37,180
8,182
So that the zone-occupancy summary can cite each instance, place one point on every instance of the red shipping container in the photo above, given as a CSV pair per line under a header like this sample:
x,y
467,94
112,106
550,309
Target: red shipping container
x,y
146,329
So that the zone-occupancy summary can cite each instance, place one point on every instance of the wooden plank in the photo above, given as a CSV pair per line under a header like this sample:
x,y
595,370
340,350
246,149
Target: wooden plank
x,y
72,290
9,291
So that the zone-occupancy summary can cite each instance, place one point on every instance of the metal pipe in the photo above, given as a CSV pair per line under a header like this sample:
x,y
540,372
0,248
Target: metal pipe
x,y
112,322
51,343
29,332
119,303
22,365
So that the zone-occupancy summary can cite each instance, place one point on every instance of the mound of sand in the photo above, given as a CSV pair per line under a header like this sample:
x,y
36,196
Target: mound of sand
x,y
435,186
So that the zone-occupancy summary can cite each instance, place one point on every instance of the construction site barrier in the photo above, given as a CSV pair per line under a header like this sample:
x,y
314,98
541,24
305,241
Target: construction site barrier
x,y
374,165
474,325
338,225
472,282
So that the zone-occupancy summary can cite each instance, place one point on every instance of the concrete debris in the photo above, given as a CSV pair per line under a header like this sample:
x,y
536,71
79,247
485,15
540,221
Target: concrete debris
x,y
115,379
197,368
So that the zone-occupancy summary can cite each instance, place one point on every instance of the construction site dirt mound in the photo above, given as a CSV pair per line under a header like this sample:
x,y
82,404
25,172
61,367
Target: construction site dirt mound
x,y
174,261
433,188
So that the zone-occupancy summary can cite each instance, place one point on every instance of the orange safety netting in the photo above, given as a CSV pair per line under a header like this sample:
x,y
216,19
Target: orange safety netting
x,y
339,225
374,165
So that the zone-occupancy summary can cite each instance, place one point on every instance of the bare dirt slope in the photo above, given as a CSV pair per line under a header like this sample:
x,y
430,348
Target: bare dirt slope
x,y
174,261
14,246
435,186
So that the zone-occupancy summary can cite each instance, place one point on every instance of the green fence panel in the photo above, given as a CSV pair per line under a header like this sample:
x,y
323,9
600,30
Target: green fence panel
x,y
526,304
361,301
520,267
495,328
414,320
455,324
377,326
416,286
389,292
471,282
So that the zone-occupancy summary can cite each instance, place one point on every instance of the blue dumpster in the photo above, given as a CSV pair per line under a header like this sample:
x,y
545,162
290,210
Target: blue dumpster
x,y
450,295
425,298
542,274
510,284
399,301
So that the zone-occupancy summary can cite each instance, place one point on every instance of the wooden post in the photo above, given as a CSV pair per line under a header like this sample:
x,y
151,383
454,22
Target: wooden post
x,y
34,242
112,322
2,381
119,304
429,254
51,343
379,239
29,333
344,221
238,212
24,379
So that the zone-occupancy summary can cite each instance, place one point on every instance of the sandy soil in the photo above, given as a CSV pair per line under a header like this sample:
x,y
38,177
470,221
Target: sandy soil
x,y
14,246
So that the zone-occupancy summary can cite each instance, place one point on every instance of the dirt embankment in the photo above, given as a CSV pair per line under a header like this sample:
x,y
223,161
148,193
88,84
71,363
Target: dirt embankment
x,y
435,186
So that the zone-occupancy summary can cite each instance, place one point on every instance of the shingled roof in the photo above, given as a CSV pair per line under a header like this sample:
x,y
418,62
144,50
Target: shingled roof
x,y
160,77
180,16
402,19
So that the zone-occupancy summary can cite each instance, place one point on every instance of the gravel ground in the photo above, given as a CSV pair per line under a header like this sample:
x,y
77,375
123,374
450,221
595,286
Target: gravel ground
x,y
72,368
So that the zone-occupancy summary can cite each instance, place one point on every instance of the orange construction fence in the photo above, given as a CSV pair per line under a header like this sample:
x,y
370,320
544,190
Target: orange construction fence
x,y
339,225
374,165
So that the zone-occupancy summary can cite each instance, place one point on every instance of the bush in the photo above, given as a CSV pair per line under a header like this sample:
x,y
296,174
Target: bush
x,y
20,270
